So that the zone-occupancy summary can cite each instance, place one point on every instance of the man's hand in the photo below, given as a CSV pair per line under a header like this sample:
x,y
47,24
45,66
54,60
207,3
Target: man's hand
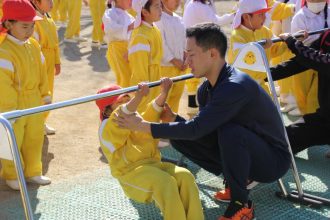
x,y
57,69
268,43
132,122
167,115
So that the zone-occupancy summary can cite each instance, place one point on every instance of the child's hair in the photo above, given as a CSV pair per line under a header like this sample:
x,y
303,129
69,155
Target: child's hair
x,y
4,23
109,3
147,5
203,1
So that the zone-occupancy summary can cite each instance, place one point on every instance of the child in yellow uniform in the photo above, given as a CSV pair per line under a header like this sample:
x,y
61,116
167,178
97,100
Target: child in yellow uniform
x,y
248,27
118,25
46,34
1,8
135,160
145,49
174,42
72,32
23,84
97,8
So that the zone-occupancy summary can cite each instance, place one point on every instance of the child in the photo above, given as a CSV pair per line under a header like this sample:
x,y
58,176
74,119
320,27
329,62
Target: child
x,y
134,158
118,25
46,34
312,16
1,8
97,8
200,11
174,41
145,49
59,12
23,84
248,27
72,33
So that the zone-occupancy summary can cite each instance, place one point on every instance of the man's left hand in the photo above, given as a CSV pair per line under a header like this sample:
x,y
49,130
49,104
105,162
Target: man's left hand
x,y
132,122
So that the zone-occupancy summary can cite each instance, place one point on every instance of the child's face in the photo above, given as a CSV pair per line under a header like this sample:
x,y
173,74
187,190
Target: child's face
x,y
20,30
154,13
124,4
254,21
172,5
122,100
44,5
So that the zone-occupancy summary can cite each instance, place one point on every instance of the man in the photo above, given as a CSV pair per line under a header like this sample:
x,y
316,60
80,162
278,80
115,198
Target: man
x,y
237,132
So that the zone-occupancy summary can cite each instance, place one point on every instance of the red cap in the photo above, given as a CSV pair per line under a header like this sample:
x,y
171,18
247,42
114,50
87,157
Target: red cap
x,y
103,103
19,10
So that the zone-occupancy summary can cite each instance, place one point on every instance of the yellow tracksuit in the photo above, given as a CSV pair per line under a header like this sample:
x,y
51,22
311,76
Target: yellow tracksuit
x,y
97,8
63,10
23,84
46,34
55,9
241,36
1,13
145,52
134,160
74,12
280,10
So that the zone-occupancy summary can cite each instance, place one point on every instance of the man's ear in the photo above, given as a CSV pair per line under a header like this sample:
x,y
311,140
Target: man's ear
x,y
214,53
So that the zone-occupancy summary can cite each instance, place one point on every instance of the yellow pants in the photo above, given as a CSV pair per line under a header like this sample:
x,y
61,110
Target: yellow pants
x,y
305,87
172,188
192,85
54,11
74,11
29,133
49,55
97,9
175,94
118,64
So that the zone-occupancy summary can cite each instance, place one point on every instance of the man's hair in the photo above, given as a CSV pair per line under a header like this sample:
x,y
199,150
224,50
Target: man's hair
x,y
208,35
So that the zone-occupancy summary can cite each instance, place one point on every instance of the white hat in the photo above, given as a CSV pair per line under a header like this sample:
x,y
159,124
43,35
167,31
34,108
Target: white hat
x,y
249,6
137,6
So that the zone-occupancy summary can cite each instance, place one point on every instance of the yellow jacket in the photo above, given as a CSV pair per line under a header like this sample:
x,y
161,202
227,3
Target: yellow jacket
x,y
22,72
46,34
145,52
125,149
242,35
280,10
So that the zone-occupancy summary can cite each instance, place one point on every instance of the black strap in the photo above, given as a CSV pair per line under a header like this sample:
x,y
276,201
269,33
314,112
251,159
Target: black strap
x,y
326,15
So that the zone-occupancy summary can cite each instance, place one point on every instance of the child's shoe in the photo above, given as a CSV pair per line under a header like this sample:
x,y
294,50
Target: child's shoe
x,y
49,130
13,184
238,211
80,38
95,44
40,180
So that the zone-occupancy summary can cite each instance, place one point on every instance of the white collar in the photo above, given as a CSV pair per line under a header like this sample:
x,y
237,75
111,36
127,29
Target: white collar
x,y
310,14
15,40
147,24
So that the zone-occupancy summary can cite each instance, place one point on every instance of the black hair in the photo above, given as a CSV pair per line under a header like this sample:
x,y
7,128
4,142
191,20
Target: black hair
x,y
147,5
203,1
209,35
4,23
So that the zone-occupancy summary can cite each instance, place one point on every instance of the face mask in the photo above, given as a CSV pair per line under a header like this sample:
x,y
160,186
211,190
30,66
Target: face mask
x,y
315,7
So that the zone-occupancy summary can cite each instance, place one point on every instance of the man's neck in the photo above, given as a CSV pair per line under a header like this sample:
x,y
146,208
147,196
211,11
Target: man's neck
x,y
215,72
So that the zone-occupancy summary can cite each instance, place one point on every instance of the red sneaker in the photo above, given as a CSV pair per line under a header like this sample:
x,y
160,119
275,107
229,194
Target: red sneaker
x,y
237,211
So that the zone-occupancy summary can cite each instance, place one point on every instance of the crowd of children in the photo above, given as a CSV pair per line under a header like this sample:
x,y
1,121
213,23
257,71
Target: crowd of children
x,y
146,41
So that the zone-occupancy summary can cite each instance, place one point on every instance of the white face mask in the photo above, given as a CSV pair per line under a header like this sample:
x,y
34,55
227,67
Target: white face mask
x,y
316,7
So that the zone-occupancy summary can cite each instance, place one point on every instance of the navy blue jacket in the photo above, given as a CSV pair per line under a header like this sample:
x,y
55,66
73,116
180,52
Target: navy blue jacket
x,y
235,98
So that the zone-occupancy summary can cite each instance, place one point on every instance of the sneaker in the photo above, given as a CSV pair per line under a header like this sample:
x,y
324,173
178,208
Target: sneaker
x,y
80,38
225,196
104,46
295,112
94,44
288,107
238,211
13,184
40,180
49,130
70,40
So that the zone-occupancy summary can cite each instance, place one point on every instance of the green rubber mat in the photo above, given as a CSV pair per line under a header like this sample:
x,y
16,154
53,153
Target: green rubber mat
x,y
97,195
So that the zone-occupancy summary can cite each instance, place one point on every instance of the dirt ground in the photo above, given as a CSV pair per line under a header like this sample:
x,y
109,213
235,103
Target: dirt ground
x,y
75,147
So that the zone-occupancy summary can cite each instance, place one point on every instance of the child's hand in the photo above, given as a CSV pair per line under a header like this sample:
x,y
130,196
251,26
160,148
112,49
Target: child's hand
x,y
303,33
125,56
178,64
143,89
165,85
57,69
130,27
85,2
268,43
167,114
284,36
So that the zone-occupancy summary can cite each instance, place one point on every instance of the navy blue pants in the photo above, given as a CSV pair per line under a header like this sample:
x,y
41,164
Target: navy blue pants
x,y
239,154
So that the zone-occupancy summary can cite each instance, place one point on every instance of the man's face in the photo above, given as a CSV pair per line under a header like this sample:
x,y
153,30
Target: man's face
x,y
199,60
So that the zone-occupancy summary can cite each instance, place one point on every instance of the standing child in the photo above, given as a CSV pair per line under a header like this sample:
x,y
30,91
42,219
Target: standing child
x,y
59,12
174,41
134,158
195,12
248,26
72,33
145,48
118,25
97,8
312,16
23,84
46,34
